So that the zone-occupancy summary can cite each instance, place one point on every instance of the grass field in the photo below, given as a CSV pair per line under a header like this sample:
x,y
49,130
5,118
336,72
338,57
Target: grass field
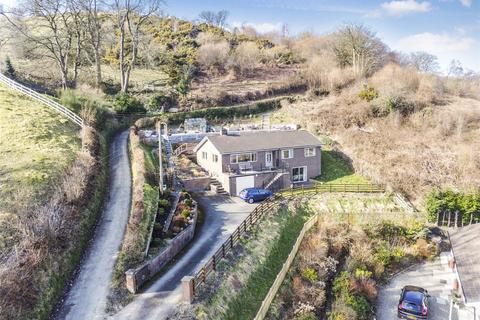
x,y
36,146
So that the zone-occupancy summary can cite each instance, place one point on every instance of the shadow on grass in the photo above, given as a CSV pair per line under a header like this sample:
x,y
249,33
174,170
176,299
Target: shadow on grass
x,y
337,168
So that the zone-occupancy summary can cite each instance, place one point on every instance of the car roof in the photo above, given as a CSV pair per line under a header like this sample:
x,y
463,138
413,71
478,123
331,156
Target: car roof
x,y
250,189
414,294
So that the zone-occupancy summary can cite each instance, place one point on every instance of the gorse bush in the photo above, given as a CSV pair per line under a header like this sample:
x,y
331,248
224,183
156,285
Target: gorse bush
x,y
368,93
125,103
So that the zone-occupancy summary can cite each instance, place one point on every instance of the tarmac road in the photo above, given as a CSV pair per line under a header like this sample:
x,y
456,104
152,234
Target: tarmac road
x,y
87,297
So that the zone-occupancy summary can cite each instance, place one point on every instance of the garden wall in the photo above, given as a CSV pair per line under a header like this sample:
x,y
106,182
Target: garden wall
x,y
197,184
135,278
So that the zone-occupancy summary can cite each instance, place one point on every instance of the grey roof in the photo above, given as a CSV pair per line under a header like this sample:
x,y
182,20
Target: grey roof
x,y
263,140
467,257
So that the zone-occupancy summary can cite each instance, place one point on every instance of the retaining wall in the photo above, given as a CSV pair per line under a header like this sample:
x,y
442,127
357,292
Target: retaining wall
x,y
135,278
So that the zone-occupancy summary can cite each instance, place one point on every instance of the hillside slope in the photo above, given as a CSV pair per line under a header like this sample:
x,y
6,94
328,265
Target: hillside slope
x,y
36,146
436,146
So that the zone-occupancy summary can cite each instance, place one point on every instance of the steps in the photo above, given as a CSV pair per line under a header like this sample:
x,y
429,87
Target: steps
x,y
217,187
275,179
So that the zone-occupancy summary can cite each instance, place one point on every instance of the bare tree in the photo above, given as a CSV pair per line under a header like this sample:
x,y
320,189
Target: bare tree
x,y
92,24
130,17
423,61
359,47
455,69
50,25
217,19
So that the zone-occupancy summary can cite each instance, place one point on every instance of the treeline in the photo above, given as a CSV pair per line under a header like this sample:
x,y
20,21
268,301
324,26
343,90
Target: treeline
x,y
453,208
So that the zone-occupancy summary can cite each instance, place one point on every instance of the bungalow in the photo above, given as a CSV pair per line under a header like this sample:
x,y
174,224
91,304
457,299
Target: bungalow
x,y
465,262
264,159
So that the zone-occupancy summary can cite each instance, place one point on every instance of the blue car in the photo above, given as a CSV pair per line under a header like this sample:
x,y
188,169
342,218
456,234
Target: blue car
x,y
252,195
413,303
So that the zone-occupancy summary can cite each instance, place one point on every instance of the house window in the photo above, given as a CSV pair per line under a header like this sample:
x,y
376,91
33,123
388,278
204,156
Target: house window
x,y
287,154
309,152
243,157
204,155
299,174
215,157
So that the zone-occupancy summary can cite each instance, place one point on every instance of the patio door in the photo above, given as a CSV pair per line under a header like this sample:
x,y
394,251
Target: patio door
x,y
299,174
268,159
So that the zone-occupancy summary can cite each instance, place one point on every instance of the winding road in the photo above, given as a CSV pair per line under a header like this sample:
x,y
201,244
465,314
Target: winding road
x,y
87,297
223,214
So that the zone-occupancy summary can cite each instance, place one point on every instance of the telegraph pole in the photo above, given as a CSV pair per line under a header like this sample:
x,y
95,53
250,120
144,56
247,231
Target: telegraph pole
x,y
160,160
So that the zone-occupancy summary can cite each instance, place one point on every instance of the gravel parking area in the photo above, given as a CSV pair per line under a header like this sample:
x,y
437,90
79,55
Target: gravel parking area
x,y
435,276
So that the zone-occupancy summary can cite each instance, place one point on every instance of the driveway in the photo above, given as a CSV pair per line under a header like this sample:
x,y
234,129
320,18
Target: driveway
x,y
435,276
88,295
223,215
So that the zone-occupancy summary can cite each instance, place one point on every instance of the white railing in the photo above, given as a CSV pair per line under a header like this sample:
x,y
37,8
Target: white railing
x,y
42,99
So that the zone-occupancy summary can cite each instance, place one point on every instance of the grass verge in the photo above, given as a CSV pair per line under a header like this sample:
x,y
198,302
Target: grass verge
x,y
243,281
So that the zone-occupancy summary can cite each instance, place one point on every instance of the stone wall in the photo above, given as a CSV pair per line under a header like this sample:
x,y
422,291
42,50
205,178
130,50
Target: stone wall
x,y
135,278
196,184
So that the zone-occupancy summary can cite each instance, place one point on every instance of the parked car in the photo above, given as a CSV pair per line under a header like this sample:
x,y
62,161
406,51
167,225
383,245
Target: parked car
x,y
252,195
413,303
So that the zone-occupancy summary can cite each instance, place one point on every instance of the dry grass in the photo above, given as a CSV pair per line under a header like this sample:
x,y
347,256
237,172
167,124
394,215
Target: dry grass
x,y
433,145
47,246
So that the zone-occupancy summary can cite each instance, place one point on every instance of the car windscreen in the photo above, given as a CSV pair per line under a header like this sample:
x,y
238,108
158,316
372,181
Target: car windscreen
x,y
410,306
243,193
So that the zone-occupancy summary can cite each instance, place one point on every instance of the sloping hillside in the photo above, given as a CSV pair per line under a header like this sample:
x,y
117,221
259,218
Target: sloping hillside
x,y
432,145
36,146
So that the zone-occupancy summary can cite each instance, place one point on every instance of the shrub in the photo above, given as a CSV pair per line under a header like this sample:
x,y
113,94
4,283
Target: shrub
x,y
157,242
160,101
362,274
125,103
382,254
398,253
188,202
309,274
110,88
368,93
360,304
157,227
164,203
9,69
185,214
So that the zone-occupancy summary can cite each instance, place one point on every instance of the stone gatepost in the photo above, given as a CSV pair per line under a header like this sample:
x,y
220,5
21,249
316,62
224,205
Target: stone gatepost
x,y
187,289
131,281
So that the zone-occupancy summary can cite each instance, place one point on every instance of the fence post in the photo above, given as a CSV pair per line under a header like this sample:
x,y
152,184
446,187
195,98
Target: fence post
x,y
188,292
214,263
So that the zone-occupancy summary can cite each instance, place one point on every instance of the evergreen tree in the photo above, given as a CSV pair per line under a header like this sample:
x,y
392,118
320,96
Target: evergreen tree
x,y
9,69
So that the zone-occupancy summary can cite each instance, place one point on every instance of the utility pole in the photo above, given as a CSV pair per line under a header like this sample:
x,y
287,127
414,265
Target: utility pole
x,y
160,160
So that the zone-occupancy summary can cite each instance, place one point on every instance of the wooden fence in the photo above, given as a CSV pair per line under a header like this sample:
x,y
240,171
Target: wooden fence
x,y
262,312
266,207
42,99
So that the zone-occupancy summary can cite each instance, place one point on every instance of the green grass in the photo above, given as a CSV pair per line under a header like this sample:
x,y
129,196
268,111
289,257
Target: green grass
x,y
36,146
338,171
246,304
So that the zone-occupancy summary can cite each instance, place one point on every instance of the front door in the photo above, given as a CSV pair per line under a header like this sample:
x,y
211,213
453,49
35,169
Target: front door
x,y
268,159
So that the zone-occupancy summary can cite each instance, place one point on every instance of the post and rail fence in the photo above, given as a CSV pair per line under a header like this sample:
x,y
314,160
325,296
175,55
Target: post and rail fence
x,y
192,284
262,312
72,116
